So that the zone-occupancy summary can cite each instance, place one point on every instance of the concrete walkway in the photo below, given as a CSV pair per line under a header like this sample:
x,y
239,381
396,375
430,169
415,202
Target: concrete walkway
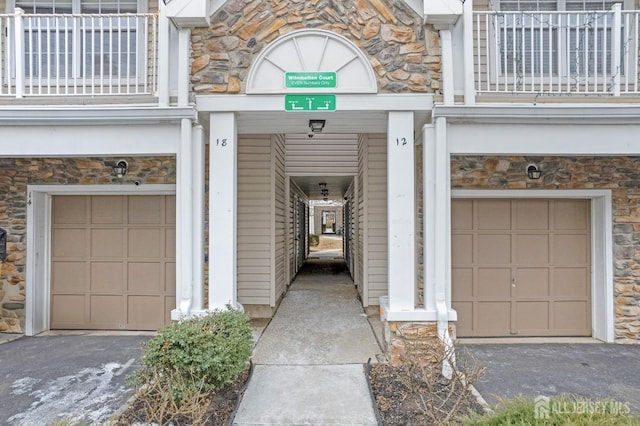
x,y
309,363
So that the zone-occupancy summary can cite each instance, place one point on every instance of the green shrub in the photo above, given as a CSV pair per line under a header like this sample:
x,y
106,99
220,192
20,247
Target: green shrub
x,y
314,240
199,354
558,411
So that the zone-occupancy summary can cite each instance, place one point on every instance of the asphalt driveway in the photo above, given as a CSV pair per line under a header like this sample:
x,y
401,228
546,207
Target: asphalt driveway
x,y
587,370
65,377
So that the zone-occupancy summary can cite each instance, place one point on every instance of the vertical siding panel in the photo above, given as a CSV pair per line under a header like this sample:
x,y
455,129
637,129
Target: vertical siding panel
x,y
376,227
254,219
278,156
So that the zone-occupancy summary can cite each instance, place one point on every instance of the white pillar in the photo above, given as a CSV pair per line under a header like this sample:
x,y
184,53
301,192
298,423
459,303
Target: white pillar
x,y
223,173
616,44
184,223
19,48
401,212
469,80
184,68
197,167
163,56
446,47
442,217
430,250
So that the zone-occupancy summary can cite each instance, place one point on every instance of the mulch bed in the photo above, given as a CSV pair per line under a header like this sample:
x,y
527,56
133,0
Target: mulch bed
x,y
405,397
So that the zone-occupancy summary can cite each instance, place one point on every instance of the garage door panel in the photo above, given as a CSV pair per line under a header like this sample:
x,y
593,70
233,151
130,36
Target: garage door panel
x,y
494,283
532,283
494,317
69,242
170,243
523,268
144,277
494,214
463,279
532,318
107,210
464,325
170,209
125,276
571,214
68,277
532,249
145,312
170,278
532,214
462,214
462,246
571,282
68,210
67,310
494,249
106,310
572,316
106,277
571,249
144,243
107,242
145,210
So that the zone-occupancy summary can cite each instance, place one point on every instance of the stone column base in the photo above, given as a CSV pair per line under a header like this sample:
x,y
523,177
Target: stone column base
x,y
419,341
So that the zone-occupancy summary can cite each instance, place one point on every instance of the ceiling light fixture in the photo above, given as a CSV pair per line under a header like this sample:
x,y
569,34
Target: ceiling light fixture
x,y
316,126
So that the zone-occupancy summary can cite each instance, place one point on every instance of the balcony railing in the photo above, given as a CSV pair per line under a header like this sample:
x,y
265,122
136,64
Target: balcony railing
x,y
593,52
78,55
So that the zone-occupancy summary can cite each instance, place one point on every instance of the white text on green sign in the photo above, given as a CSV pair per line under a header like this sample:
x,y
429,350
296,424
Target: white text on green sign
x,y
310,80
310,102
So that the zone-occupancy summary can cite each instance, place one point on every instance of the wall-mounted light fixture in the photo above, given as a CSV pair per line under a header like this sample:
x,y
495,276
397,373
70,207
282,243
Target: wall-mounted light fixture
x,y
533,171
322,185
316,126
121,168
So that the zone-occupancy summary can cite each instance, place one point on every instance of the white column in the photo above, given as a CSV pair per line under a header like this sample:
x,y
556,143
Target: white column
x,y
184,223
223,172
197,167
469,80
163,56
616,43
430,250
401,212
184,49
19,56
446,47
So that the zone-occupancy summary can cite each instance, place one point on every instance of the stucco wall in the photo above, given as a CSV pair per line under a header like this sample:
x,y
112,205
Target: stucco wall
x,y
404,53
619,174
16,174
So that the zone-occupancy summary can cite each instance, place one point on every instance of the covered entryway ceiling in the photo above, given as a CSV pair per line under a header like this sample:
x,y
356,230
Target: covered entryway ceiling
x,y
336,185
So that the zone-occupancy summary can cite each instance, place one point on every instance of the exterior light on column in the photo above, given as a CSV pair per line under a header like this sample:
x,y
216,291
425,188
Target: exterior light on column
x,y
121,168
533,171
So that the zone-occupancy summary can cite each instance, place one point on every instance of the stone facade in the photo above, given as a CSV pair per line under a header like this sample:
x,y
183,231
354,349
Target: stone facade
x,y
404,53
417,340
619,174
16,174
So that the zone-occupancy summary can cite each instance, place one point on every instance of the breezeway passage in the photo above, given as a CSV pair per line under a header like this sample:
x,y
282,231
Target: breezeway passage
x,y
309,361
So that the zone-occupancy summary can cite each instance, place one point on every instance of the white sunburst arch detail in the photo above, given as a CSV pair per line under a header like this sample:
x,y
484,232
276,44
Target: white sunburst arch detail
x,y
311,50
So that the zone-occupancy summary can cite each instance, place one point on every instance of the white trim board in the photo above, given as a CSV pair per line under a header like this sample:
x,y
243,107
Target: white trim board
x,y
38,279
602,294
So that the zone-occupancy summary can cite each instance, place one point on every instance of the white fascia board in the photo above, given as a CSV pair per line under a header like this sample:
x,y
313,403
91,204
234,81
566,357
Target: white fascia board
x,y
91,115
23,141
442,12
351,102
556,114
189,13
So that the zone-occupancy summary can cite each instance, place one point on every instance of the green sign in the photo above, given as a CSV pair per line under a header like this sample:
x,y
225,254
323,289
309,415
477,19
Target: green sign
x,y
310,80
315,102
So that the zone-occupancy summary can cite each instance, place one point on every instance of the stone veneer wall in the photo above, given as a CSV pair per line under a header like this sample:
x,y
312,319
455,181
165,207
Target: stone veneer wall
x,y
16,174
404,53
620,174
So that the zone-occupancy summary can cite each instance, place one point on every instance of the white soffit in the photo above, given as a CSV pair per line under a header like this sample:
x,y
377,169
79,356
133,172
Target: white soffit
x,y
311,50
189,13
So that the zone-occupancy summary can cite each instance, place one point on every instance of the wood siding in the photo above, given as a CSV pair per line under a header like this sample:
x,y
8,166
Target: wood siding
x,y
296,246
255,225
332,155
361,261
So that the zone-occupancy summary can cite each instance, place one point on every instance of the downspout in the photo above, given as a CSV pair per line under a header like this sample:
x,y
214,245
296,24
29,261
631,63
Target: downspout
x,y
443,234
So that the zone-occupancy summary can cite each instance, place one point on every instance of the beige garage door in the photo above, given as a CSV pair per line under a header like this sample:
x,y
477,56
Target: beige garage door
x,y
113,262
521,267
